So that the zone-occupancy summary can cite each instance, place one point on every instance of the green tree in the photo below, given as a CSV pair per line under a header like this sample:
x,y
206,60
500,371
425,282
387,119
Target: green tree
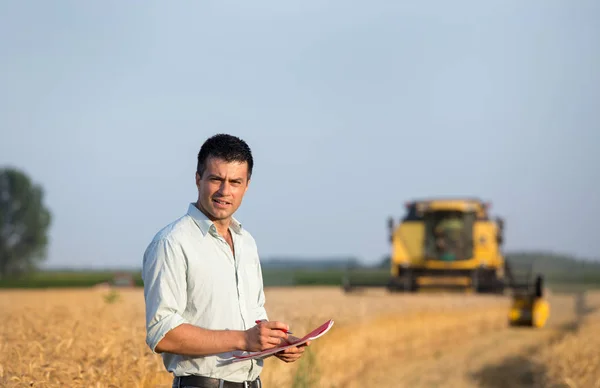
x,y
24,222
385,262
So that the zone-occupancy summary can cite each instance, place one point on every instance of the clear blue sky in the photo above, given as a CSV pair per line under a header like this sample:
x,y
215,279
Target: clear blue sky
x,y
351,108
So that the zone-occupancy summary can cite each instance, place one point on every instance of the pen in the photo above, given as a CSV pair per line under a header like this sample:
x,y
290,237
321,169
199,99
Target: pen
x,y
287,332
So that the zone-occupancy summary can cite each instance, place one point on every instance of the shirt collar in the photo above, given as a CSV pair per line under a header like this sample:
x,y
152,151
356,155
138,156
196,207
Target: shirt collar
x,y
206,225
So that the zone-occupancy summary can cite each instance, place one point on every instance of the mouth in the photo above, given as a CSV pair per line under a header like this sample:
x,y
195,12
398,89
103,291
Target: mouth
x,y
220,202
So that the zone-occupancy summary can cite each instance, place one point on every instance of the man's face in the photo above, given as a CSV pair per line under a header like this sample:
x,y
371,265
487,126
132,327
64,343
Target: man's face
x,y
222,187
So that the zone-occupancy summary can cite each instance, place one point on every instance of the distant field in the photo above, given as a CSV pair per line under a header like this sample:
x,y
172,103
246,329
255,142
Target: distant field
x,y
273,278
64,279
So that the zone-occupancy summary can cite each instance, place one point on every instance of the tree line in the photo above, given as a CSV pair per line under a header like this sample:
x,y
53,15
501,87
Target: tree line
x,y
24,224
25,221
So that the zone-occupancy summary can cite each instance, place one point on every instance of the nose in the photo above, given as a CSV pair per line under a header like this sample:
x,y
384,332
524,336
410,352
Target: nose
x,y
224,188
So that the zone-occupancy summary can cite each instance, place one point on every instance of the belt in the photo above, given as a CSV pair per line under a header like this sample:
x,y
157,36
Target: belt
x,y
210,382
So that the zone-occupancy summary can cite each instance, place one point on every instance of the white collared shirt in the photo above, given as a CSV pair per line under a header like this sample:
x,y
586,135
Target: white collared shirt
x,y
191,276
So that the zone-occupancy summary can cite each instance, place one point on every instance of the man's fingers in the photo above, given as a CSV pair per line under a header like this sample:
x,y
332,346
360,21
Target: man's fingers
x,y
276,325
270,341
274,341
291,354
273,329
294,350
277,338
289,357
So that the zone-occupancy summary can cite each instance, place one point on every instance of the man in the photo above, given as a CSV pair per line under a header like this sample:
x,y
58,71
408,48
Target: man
x,y
203,283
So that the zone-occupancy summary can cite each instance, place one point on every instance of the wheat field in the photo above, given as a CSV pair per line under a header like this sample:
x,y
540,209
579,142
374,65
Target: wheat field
x,y
95,338
574,360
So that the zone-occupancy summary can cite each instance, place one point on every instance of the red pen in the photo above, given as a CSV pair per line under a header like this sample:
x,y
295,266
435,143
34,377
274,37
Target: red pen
x,y
287,332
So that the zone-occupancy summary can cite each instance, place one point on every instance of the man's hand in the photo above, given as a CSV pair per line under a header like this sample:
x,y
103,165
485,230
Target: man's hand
x,y
265,335
294,353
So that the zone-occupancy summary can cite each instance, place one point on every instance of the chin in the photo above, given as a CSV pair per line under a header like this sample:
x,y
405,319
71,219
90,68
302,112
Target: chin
x,y
220,214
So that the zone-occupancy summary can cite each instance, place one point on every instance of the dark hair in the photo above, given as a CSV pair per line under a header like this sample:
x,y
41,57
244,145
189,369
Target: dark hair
x,y
227,147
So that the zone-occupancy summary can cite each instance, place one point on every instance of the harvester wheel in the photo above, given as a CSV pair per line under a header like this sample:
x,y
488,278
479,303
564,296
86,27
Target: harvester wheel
x,y
409,281
475,281
499,287
486,281
393,285
406,282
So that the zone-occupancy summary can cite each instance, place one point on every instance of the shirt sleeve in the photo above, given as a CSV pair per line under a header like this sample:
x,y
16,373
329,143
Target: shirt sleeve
x,y
165,292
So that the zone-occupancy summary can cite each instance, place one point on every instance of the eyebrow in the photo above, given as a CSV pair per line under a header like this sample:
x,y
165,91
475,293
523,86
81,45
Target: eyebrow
x,y
211,176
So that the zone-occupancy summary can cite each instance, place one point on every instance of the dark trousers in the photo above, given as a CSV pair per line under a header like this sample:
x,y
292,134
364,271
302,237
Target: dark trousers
x,y
204,382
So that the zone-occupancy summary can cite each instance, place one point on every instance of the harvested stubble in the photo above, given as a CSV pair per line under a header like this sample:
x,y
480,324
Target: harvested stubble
x,y
574,361
345,354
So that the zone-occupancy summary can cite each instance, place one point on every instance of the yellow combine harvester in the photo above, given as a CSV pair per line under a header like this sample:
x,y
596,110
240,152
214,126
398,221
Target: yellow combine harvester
x,y
454,243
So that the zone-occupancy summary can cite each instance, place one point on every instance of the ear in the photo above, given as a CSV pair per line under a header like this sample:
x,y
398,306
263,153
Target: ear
x,y
198,179
247,185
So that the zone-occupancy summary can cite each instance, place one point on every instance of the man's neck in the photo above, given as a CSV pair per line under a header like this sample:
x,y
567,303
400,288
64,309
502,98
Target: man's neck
x,y
222,226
